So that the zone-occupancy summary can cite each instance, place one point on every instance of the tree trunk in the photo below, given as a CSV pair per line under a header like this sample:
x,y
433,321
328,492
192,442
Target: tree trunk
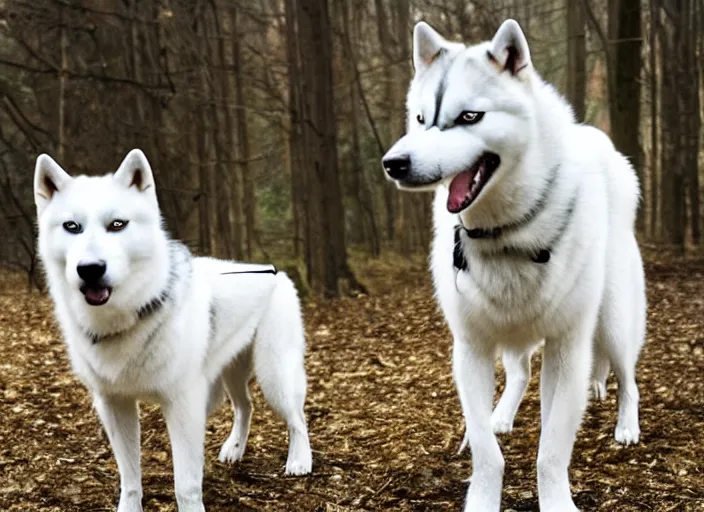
x,y
231,202
693,131
654,121
206,181
324,220
295,133
624,93
673,181
248,197
362,195
63,78
576,59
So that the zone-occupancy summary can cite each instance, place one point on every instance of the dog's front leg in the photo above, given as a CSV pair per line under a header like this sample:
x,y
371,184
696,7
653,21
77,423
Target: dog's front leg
x,y
473,369
185,412
120,418
566,369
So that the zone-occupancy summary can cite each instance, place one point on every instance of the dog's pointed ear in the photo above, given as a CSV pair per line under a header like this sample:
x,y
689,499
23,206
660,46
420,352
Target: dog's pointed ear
x,y
427,44
135,171
49,178
509,48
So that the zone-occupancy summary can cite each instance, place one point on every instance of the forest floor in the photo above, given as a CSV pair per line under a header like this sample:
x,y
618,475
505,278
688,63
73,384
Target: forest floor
x,y
384,418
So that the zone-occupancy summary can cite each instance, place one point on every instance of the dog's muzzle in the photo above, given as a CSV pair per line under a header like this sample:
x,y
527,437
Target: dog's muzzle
x,y
94,288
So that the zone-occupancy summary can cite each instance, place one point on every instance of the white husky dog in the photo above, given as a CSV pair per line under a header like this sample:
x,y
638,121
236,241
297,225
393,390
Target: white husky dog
x,y
144,320
534,240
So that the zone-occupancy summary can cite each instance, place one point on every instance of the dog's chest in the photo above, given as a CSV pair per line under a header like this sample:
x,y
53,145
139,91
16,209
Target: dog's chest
x,y
503,283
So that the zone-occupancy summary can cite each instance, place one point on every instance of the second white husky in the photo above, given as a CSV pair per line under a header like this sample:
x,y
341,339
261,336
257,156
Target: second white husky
x,y
144,320
534,240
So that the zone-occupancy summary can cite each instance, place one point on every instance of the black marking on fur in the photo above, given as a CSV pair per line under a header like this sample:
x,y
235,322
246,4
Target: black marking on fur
x,y
534,211
484,233
541,256
273,270
440,92
511,59
153,305
156,303
458,258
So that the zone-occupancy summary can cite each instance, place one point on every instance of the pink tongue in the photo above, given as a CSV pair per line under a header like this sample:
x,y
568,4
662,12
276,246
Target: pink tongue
x,y
100,295
459,189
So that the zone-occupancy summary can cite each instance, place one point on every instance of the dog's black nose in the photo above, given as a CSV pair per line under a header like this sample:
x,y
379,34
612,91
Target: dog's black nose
x,y
91,272
397,166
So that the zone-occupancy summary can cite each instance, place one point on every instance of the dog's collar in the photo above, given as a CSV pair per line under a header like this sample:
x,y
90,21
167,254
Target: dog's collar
x,y
538,207
541,256
459,260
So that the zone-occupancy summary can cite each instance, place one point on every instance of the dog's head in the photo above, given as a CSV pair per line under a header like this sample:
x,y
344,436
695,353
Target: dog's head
x,y
469,115
96,232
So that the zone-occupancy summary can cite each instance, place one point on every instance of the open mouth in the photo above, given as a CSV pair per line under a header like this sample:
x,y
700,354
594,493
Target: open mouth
x,y
95,294
467,185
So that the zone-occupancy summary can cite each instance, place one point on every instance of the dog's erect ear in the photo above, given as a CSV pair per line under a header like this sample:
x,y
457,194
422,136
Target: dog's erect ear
x,y
135,171
427,44
509,48
49,178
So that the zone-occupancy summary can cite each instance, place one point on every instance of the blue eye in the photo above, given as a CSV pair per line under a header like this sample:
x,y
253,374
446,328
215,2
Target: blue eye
x,y
72,227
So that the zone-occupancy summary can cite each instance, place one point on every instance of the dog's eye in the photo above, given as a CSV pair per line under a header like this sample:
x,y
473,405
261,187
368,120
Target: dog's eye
x,y
72,227
117,225
468,117
420,119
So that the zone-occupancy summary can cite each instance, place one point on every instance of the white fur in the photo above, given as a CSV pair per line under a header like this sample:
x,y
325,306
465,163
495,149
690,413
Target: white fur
x,y
213,330
589,294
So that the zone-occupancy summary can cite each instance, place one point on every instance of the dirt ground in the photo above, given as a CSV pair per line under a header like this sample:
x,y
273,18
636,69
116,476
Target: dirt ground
x,y
384,418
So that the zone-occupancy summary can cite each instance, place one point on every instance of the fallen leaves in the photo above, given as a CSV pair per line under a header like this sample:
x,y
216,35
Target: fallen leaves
x,y
383,414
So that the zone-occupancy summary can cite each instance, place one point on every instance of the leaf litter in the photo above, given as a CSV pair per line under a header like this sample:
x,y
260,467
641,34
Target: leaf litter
x,y
383,414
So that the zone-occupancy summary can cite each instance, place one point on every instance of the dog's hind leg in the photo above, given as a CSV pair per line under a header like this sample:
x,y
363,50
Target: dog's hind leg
x,y
622,329
120,419
600,368
235,378
517,371
279,349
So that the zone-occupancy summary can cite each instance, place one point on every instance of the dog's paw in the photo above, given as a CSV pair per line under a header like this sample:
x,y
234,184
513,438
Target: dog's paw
x,y
627,436
299,467
599,390
501,424
232,450
130,505
478,502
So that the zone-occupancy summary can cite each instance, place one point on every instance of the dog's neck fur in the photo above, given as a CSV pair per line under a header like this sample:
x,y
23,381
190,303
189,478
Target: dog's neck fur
x,y
525,189
148,307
